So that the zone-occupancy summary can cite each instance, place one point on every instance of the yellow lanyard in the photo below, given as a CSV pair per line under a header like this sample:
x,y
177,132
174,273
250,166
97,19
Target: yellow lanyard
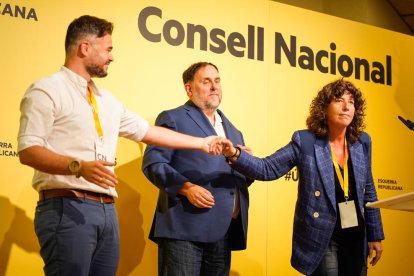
x,y
92,102
342,180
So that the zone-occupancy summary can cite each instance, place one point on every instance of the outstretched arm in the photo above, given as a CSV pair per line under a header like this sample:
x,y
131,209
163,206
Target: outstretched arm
x,y
163,137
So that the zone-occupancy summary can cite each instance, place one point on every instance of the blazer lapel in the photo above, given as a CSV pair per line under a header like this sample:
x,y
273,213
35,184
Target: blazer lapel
x,y
228,128
356,153
325,167
199,118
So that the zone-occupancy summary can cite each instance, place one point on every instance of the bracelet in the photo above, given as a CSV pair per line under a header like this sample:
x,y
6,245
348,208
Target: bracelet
x,y
236,154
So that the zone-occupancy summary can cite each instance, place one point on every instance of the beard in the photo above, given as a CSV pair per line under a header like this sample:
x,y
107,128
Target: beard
x,y
95,70
212,105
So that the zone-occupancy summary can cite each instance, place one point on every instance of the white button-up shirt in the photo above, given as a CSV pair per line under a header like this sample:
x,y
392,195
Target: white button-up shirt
x,y
218,127
55,114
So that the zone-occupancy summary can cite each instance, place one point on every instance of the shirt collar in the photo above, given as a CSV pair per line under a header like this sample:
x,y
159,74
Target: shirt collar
x,y
217,118
79,81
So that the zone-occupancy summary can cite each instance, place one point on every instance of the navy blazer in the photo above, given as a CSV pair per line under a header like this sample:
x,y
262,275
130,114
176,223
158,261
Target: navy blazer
x,y
175,217
315,211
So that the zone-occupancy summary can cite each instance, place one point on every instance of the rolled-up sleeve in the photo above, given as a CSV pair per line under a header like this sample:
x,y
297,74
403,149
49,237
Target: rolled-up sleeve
x,y
133,126
36,119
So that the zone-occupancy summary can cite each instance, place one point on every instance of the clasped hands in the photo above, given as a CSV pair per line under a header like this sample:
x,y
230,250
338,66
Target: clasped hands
x,y
217,145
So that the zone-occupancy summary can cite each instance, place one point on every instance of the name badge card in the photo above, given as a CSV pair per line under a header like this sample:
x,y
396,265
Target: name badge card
x,y
348,214
101,152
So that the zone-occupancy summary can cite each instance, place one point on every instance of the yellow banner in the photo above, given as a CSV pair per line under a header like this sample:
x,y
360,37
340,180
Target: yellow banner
x,y
273,58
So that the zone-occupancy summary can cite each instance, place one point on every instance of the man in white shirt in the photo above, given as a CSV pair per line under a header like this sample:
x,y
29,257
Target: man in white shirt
x,y
68,133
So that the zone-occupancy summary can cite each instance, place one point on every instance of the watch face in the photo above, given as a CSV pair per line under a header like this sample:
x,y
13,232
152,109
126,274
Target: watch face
x,y
74,166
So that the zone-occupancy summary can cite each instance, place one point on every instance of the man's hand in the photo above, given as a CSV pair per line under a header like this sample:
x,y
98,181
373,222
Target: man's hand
x,y
97,173
246,149
228,148
197,195
377,247
45,160
213,144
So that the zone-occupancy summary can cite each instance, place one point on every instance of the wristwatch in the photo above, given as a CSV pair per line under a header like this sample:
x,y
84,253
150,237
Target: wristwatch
x,y
74,167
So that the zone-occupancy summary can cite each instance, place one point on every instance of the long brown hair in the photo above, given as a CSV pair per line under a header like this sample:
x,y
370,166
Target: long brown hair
x,y
317,121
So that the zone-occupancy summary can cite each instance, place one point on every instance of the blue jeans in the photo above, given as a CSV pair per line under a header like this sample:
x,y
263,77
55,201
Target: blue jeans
x,y
185,258
342,261
77,236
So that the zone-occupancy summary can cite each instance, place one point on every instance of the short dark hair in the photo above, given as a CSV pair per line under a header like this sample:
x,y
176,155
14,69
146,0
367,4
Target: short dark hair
x,y
190,72
86,25
317,121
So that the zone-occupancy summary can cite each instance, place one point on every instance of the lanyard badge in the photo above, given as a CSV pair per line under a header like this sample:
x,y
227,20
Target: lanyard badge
x,y
347,209
101,152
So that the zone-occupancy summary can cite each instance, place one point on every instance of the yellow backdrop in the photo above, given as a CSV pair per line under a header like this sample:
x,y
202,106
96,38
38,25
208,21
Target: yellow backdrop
x,y
267,88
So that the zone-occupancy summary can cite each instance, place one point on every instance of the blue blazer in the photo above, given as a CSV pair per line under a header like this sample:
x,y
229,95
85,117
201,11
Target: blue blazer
x,y
175,217
315,211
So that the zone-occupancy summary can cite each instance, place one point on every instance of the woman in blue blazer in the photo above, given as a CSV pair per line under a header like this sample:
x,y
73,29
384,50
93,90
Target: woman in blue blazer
x,y
333,231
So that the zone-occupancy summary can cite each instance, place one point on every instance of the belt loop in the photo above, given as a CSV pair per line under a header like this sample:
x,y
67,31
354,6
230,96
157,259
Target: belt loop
x,y
100,197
